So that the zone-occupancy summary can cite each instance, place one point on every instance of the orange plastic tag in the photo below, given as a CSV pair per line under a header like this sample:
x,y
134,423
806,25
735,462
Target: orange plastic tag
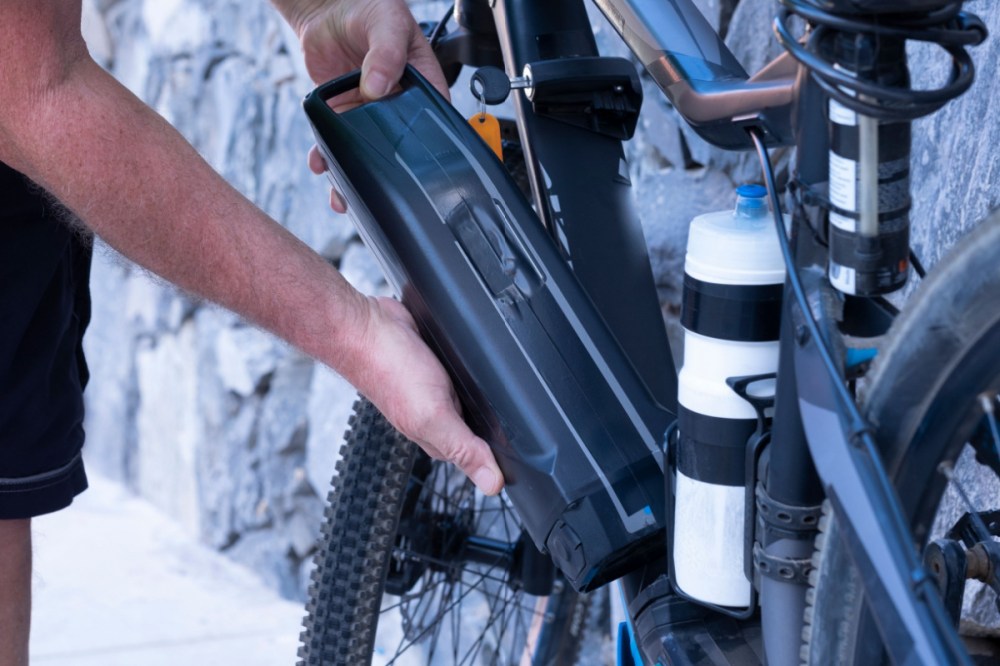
x,y
488,127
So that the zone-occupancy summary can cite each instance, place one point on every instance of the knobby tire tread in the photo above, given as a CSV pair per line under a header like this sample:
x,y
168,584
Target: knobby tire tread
x,y
356,542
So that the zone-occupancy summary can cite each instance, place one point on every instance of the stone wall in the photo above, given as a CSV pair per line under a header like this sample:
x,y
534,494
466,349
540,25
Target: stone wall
x,y
235,434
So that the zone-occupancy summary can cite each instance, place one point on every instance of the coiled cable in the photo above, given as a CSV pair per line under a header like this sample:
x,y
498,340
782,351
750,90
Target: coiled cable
x,y
948,27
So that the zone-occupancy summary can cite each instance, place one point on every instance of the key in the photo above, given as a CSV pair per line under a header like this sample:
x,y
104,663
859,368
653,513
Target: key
x,y
490,85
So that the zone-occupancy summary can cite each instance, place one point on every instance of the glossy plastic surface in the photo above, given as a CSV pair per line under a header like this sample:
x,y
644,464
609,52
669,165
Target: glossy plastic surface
x,y
575,430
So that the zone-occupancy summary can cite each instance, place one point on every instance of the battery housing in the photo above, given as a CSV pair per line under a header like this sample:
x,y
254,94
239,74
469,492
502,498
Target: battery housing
x,y
575,431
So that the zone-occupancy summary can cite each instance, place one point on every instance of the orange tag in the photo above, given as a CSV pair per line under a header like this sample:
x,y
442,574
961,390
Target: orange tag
x,y
488,127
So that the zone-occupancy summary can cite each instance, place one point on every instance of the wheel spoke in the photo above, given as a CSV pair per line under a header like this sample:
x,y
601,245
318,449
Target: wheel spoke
x,y
454,549
451,587
444,608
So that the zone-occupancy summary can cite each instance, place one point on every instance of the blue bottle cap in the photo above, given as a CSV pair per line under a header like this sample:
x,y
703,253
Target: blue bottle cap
x,y
751,191
750,201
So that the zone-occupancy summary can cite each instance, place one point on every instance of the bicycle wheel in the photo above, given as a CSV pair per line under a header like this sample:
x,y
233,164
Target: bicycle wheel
x,y
925,397
414,566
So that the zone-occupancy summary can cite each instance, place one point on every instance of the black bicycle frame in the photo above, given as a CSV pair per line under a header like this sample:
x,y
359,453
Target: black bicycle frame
x,y
581,188
588,209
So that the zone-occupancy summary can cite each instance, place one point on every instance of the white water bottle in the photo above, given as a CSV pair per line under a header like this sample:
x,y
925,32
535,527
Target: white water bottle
x,y
733,281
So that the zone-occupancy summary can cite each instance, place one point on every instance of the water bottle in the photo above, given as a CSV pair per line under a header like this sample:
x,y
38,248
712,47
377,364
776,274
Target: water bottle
x,y
733,280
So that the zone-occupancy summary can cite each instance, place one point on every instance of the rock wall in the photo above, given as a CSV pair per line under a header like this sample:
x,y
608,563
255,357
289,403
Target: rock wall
x,y
235,434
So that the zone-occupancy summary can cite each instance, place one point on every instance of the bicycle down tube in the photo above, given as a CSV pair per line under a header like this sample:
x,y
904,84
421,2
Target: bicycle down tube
x,y
588,210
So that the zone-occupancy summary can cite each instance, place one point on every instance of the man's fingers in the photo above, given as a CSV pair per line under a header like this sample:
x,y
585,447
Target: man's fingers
x,y
477,462
423,58
458,445
488,479
316,162
318,165
337,202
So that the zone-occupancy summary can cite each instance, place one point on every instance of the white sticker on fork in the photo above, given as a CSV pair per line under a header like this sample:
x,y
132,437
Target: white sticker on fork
x,y
841,115
848,224
843,183
843,278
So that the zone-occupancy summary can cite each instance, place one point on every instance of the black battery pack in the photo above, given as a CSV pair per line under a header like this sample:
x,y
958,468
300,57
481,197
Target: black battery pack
x,y
542,379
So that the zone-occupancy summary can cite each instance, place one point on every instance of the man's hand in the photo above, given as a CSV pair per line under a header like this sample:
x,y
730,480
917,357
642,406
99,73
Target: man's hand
x,y
380,36
181,220
394,368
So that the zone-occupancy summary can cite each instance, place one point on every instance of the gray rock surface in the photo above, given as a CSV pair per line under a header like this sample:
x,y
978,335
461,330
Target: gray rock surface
x,y
330,402
956,166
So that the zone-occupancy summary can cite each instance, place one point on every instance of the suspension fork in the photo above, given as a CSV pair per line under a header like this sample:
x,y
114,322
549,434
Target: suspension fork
x,y
909,614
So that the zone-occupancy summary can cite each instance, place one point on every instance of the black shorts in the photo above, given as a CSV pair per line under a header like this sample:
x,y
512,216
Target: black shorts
x,y
44,310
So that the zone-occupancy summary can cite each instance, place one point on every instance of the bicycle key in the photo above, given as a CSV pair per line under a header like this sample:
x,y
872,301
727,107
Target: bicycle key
x,y
490,85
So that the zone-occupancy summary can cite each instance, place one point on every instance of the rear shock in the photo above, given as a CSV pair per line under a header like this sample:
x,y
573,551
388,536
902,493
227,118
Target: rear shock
x,y
856,53
869,174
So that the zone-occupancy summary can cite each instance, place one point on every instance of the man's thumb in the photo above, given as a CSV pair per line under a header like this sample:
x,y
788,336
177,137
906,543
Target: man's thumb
x,y
383,65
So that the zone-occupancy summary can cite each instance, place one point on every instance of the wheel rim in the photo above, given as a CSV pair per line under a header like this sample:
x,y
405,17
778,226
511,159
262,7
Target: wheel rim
x,y
944,420
453,589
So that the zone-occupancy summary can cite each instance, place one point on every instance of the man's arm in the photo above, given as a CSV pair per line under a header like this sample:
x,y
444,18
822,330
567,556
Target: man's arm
x,y
138,184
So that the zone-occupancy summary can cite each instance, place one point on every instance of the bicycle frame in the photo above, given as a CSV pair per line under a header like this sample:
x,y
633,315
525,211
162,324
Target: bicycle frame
x,y
819,448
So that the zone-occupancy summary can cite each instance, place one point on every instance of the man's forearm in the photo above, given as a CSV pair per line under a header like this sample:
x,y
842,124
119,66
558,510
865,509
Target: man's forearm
x,y
134,180
137,183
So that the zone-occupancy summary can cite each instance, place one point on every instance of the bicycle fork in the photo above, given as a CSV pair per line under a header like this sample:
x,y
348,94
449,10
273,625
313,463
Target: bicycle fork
x,y
850,234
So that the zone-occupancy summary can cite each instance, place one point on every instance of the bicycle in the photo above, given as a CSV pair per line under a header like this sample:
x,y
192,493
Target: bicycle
x,y
835,485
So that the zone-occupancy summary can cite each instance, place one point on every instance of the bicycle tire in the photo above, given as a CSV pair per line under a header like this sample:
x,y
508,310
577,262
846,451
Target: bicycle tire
x,y
922,398
361,539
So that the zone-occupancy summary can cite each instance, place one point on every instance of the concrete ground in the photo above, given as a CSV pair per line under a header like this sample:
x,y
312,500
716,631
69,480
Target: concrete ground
x,y
117,583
